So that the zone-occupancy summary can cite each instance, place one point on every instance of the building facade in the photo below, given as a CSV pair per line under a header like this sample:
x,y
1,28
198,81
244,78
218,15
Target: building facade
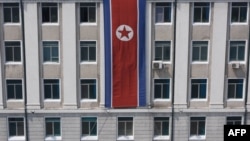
x,y
52,84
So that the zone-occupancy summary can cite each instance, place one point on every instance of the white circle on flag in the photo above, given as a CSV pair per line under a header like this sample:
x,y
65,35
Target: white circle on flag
x,y
124,32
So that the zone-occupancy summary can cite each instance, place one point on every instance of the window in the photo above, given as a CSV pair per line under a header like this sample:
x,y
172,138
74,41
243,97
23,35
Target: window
x,y
125,127
199,51
49,12
162,12
87,12
16,127
14,89
88,89
197,126
162,50
161,88
12,51
161,126
11,12
50,51
89,126
88,51
237,51
51,89
233,120
53,127
239,12
198,88
201,12
235,88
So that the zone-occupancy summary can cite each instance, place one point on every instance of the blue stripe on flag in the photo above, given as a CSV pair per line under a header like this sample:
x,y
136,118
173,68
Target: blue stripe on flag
x,y
142,68
107,43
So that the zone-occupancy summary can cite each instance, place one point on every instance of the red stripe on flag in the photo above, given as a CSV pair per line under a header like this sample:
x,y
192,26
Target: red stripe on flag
x,y
124,53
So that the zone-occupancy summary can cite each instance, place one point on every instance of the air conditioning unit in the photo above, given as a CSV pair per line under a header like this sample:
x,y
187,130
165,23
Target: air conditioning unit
x,y
236,65
157,65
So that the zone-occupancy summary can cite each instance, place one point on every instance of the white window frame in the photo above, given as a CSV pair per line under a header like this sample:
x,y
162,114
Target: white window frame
x,y
243,92
11,23
58,15
125,137
16,138
239,23
197,137
208,51
96,55
7,89
59,54
21,49
245,55
60,91
89,100
52,138
90,137
170,90
161,137
201,23
171,52
164,23
190,91
88,23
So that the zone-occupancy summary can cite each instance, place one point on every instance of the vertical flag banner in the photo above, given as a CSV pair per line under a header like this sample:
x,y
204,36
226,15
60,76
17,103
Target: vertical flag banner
x,y
124,33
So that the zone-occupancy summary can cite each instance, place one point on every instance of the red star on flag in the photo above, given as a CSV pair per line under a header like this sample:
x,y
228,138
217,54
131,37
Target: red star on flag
x,y
124,32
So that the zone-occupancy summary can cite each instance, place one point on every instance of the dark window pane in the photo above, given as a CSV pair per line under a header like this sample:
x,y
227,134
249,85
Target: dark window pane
x,y
55,54
56,91
85,128
193,128
201,128
92,14
203,90
239,90
11,91
231,91
9,54
196,51
47,91
7,15
84,54
158,53
49,128
15,15
235,14
243,14
195,91
233,51
84,90
203,53
17,54
92,54
165,91
165,128
46,54
57,129
167,14
157,128
92,92
159,14
84,14
20,129
205,14
241,53
12,129
197,14
93,130
158,91
54,14
19,91
129,128
121,128
166,54
46,14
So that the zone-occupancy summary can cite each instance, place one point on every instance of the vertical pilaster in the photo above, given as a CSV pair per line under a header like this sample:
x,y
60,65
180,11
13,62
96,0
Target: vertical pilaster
x,y
182,55
69,85
102,59
219,40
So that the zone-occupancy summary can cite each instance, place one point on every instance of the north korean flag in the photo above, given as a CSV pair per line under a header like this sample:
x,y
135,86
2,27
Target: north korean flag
x,y
124,27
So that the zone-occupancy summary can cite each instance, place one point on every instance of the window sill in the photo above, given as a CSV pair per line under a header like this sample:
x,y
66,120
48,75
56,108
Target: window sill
x,y
164,23
200,23
88,24
161,100
197,137
15,100
240,62
89,138
12,24
89,100
53,138
125,138
51,63
161,137
88,63
13,63
236,99
239,23
52,100
50,24
198,99
16,138
199,62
